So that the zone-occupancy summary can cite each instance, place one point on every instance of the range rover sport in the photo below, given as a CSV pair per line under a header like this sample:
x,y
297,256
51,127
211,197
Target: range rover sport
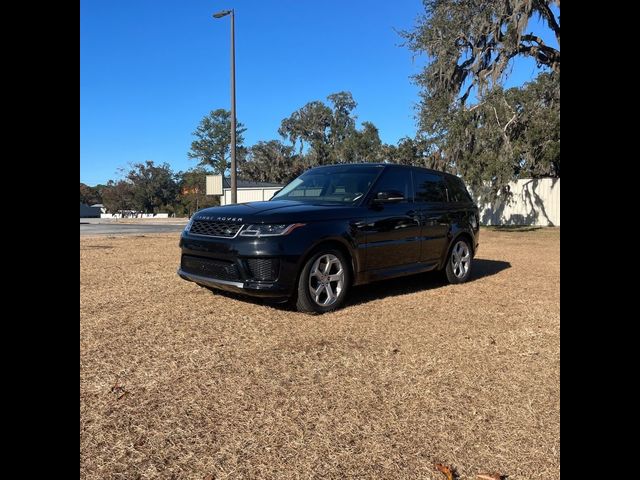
x,y
331,228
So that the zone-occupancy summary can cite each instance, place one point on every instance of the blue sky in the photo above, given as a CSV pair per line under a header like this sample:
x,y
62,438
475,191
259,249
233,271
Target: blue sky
x,y
150,70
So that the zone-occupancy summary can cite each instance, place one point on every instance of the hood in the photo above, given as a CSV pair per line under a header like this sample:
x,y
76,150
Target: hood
x,y
277,211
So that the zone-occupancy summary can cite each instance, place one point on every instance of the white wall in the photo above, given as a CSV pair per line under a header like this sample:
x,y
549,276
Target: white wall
x,y
534,201
249,195
137,215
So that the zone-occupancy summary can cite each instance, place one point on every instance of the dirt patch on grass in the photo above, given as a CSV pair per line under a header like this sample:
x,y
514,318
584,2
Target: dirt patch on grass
x,y
179,382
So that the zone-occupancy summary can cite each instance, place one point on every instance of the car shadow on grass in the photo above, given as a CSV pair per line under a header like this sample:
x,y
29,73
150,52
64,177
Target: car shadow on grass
x,y
513,228
420,282
386,288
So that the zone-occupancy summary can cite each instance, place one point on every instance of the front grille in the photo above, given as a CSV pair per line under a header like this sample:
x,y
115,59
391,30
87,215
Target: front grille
x,y
207,267
214,229
263,268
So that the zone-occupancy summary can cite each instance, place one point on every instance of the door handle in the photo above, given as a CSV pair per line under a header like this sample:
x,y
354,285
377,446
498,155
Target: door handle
x,y
415,215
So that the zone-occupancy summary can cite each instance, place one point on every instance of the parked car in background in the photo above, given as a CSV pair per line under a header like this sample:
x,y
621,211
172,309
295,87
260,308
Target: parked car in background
x,y
331,228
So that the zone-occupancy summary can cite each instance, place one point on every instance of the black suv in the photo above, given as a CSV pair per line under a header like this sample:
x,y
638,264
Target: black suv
x,y
331,228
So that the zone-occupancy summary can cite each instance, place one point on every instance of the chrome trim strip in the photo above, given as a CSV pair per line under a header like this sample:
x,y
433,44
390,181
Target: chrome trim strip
x,y
210,282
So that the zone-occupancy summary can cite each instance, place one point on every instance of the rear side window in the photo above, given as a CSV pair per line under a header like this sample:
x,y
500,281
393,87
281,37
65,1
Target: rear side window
x,y
395,180
429,187
457,190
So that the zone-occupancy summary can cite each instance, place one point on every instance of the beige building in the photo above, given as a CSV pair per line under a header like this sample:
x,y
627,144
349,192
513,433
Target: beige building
x,y
249,191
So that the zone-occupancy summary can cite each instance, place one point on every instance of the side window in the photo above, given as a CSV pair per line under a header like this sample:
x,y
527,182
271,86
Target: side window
x,y
397,180
429,187
457,191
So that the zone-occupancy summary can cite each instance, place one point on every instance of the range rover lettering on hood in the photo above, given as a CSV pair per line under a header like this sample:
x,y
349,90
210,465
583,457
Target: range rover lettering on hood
x,y
220,219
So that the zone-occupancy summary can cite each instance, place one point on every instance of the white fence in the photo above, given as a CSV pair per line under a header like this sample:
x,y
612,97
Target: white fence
x,y
533,201
135,215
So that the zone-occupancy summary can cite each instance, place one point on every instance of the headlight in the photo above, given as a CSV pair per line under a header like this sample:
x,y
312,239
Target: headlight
x,y
188,227
269,229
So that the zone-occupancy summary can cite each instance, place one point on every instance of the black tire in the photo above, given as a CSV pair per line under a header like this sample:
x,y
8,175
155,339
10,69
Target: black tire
x,y
305,302
455,271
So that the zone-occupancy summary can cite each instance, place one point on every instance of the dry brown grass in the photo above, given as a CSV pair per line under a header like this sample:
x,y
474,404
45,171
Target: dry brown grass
x,y
179,382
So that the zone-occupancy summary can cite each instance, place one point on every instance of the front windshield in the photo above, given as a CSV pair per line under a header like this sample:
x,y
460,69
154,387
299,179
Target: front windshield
x,y
336,184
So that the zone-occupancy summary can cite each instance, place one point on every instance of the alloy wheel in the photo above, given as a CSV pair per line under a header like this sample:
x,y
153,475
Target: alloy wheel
x,y
326,280
460,259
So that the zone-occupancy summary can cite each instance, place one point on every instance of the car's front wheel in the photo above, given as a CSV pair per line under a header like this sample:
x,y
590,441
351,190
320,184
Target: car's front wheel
x,y
459,262
323,282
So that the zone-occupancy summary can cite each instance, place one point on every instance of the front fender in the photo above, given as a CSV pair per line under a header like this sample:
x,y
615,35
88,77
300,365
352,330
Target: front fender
x,y
334,232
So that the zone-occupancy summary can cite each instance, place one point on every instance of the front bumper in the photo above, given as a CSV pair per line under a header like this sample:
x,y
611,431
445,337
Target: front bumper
x,y
261,267
247,287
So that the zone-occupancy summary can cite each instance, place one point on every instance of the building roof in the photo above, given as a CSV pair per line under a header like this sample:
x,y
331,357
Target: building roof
x,y
250,184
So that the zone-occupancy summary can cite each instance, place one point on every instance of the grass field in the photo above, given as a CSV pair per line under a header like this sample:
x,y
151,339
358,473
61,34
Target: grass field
x,y
179,382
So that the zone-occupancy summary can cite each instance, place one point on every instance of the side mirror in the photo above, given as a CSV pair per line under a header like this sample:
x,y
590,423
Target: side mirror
x,y
391,196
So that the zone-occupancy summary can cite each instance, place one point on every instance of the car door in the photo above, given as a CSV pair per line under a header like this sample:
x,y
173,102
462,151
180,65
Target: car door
x,y
392,227
431,203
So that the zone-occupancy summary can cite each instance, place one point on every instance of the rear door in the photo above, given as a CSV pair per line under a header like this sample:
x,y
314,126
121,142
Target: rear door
x,y
462,210
431,201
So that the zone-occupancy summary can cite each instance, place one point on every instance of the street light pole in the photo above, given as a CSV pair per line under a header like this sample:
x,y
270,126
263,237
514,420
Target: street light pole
x,y
234,184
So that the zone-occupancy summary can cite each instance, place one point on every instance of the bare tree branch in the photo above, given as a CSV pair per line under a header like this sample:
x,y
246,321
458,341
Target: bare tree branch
x,y
497,120
545,55
546,12
475,106
509,122
530,37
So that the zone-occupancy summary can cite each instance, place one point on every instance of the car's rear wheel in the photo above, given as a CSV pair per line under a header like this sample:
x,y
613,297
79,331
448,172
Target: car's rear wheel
x,y
458,267
323,282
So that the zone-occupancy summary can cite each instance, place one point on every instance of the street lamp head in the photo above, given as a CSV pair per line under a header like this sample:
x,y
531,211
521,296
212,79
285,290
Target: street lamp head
x,y
221,14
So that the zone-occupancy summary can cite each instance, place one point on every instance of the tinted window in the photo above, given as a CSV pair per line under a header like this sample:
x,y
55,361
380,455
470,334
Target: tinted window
x,y
396,180
457,191
429,187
